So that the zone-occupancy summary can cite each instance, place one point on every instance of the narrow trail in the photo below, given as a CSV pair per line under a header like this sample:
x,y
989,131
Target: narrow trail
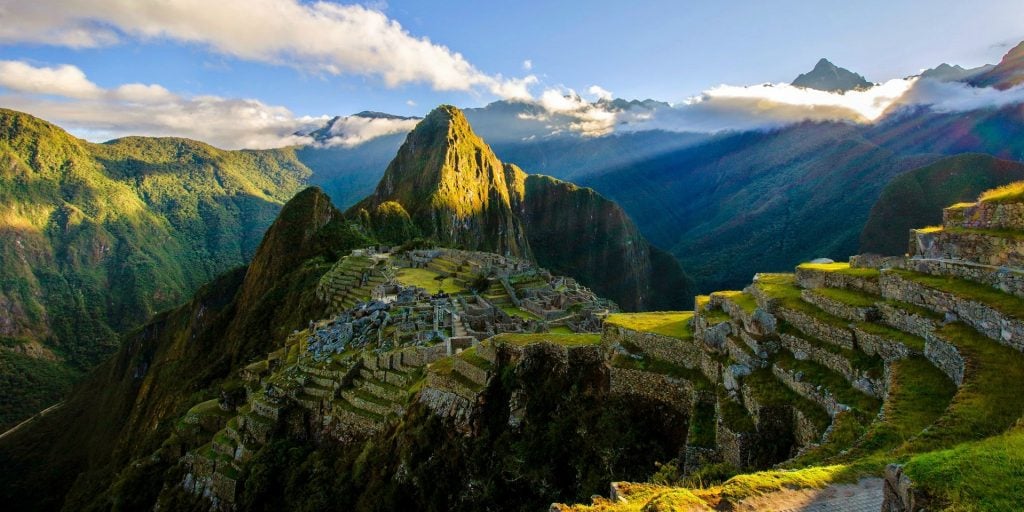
x,y
38,415
865,496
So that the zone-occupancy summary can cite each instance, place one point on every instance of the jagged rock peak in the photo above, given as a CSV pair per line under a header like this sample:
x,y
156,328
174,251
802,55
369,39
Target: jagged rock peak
x,y
826,76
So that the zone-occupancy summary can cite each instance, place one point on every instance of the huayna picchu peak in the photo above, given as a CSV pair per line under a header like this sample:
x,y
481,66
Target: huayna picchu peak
x,y
454,190
826,76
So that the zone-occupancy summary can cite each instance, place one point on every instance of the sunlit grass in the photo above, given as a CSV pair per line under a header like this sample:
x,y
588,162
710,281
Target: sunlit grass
x,y
427,279
675,324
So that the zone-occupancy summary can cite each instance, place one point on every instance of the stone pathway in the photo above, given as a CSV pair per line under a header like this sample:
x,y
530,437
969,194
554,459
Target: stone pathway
x,y
865,496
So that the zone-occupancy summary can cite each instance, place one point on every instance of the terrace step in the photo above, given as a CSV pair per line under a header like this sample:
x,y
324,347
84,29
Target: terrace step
x,y
825,387
837,275
850,305
369,402
993,313
1005,279
987,247
984,215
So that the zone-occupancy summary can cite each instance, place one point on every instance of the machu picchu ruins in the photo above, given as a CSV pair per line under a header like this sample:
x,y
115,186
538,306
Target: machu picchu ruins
x,y
850,370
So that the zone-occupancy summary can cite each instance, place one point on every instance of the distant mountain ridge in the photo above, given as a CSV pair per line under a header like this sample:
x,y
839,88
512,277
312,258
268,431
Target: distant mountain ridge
x,y
96,238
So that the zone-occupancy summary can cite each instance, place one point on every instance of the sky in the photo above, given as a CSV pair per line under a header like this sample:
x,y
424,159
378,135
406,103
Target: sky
x,y
187,67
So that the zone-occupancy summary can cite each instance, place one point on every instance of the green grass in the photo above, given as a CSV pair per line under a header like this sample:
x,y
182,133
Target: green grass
x,y
561,329
835,383
783,288
984,475
873,365
675,324
426,279
702,425
1009,193
914,309
915,343
841,268
853,298
990,399
660,366
471,357
512,310
741,299
1000,301
568,340
734,416
1011,234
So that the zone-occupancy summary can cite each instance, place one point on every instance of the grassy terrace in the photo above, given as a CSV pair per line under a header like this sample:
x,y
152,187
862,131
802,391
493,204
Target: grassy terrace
x,y
427,279
346,406
783,287
915,343
470,356
983,475
914,309
841,268
568,340
660,366
990,399
768,390
675,324
734,416
741,299
835,383
1009,193
854,298
859,360
1000,301
512,310
998,233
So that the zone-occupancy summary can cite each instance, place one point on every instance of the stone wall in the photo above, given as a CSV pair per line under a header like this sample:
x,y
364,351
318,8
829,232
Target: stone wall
x,y
945,356
449,405
677,393
985,216
906,321
979,247
1009,280
1002,328
809,391
838,336
886,348
838,308
681,352
470,371
811,278
803,349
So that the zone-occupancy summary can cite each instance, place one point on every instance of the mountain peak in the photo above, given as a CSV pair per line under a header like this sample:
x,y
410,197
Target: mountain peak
x,y
453,186
1008,73
826,76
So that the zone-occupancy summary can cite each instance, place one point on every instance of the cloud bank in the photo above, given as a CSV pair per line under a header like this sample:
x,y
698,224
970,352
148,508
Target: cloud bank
x,y
319,37
64,95
351,131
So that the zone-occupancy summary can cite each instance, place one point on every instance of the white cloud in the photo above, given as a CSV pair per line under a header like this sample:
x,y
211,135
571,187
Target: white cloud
x,y
600,92
321,37
959,97
527,64
411,103
63,80
354,130
65,96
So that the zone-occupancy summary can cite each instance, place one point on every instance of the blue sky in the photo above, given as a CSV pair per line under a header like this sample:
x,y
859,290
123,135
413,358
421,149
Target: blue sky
x,y
667,50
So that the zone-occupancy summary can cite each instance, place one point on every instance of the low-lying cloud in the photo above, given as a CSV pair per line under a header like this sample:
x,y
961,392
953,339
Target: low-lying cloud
x,y
351,131
319,37
64,95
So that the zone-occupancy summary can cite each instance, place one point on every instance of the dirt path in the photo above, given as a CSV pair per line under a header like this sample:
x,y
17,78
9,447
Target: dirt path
x,y
40,414
865,496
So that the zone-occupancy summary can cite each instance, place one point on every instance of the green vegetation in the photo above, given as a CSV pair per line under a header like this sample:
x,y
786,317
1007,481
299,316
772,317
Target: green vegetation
x,y
568,340
849,297
915,343
675,324
511,309
741,299
703,424
841,268
1009,193
429,280
1003,302
834,383
783,287
34,384
916,198
660,366
988,402
983,475
768,390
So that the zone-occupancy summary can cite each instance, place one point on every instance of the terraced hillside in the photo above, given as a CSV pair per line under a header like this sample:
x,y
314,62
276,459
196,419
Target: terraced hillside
x,y
907,370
